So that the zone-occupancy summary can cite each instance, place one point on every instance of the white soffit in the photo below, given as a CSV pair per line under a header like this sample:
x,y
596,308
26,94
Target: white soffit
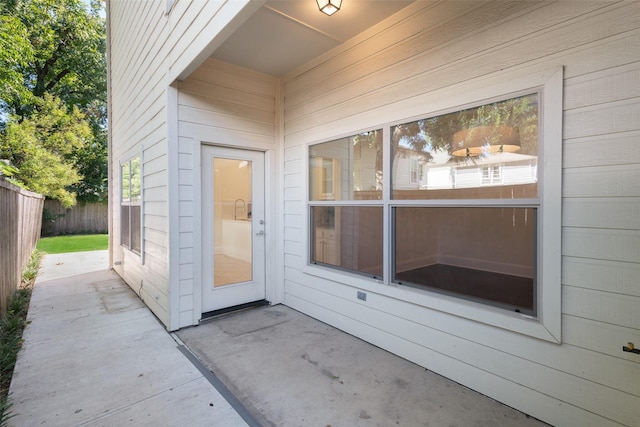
x,y
284,34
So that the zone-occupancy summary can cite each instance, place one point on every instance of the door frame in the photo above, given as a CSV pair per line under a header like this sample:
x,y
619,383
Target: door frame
x,y
274,246
216,296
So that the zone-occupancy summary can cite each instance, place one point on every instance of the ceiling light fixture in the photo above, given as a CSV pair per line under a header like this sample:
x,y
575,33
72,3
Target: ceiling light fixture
x,y
329,7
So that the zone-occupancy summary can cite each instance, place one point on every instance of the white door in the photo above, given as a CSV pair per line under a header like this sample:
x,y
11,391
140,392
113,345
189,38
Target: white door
x,y
233,244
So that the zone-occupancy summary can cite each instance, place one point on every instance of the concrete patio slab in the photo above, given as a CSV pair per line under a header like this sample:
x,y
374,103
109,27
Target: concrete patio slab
x,y
93,354
291,370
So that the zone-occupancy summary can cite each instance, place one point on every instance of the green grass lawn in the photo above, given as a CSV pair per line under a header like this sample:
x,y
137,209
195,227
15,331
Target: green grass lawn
x,y
75,243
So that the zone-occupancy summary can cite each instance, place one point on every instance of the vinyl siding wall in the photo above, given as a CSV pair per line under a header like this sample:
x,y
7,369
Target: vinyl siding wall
x,y
138,35
224,105
386,74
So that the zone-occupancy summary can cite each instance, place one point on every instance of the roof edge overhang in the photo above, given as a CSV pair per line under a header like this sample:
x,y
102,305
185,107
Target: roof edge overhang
x,y
225,22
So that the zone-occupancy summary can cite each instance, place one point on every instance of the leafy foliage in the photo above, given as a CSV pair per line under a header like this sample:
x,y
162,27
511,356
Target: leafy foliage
x,y
12,324
91,163
54,49
6,169
437,134
42,148
15,53
64,56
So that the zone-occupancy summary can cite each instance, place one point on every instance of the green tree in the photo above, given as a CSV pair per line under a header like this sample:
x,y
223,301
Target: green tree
x,y
91,163
15,54
57,48
67,57
42,149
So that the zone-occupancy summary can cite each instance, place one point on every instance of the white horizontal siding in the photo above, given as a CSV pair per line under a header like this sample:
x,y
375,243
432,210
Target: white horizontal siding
x,y
602,212
434,67
386,74
602,244
138,33
604,275
221,104
591,151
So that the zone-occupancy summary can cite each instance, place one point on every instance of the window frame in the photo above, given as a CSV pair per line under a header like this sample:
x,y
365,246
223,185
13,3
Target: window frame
x,y
547,324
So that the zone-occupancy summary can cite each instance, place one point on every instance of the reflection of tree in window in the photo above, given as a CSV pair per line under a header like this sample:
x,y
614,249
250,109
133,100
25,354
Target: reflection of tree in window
x,y
135,179
126,182
437,133
368,174
491,145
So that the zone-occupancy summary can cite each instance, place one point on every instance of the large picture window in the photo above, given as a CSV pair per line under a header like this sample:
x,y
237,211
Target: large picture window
x,y
459,209
130,214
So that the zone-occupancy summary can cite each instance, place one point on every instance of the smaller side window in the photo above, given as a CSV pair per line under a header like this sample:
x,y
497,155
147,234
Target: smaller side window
x,y
130,213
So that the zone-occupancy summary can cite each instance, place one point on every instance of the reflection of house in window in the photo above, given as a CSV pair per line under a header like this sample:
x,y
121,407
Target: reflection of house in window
x,y
497,169
346,230
346,168
325,178
491,175
409,170
414,170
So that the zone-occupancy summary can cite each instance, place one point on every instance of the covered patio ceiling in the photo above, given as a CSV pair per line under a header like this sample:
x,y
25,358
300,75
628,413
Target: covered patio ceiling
x,y
284,34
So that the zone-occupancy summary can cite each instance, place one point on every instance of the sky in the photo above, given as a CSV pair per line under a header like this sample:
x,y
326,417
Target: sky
x,y
102,11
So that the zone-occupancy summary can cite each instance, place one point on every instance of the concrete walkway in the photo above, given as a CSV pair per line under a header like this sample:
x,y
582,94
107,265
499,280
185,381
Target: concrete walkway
x,y
94,355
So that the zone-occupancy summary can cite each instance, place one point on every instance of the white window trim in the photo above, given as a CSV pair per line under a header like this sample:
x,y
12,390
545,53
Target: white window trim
x,y
547,324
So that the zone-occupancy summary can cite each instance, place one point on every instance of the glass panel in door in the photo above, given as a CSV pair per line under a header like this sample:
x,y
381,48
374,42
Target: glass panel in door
x,y
232,203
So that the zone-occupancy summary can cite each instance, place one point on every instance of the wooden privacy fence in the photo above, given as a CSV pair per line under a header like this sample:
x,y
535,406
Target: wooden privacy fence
x,y
84,218
20,223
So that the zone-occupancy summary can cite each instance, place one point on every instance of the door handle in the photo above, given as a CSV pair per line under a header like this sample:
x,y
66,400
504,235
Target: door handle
x,y
260,233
